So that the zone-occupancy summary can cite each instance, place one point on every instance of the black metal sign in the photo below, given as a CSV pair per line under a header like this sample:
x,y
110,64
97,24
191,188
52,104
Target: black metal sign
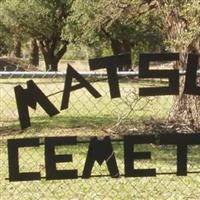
x,y
32,95
101,151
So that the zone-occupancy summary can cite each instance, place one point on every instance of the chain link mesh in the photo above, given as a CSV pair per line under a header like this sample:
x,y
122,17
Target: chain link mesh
x,y
87,116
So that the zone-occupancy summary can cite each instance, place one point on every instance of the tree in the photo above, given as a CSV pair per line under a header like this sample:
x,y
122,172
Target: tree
x,y
42,20
17,45
34,52
5,40
180,22
123,24
80,29
146,23
11,29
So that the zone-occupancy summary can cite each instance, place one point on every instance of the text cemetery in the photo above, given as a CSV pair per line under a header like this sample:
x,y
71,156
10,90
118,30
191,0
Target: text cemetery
x,y
100,151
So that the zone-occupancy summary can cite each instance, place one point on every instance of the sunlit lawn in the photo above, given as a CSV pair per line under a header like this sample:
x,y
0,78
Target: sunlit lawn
x,y
160,187
88,116
84,110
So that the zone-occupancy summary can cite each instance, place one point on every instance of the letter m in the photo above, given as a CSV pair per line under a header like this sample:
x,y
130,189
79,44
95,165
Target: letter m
x,y
100,151
29,98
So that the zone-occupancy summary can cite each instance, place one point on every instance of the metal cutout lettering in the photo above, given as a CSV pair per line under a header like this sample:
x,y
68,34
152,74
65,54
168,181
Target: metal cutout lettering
x,y
100,151
32,95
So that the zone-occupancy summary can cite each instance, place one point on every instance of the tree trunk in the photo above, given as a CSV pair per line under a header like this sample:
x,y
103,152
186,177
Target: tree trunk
x,y
127,49
17,47
51,56
120,47
34,53
186,108
116,46
51,63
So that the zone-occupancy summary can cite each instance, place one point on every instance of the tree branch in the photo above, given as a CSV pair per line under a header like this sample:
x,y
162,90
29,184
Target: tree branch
x,y
62,51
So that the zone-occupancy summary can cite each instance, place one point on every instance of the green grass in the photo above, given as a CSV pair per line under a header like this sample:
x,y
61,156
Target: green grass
x,y
87,116
84,110
160,187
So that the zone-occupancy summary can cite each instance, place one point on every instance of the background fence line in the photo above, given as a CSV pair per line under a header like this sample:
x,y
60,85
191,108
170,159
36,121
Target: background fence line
x,y
19,74
87,116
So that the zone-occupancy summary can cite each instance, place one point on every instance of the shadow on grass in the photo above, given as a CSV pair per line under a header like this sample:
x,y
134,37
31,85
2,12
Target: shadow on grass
x,y
73,122
60,122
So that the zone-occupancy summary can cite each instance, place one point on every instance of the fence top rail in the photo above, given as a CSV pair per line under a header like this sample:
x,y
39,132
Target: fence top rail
x,y
19,74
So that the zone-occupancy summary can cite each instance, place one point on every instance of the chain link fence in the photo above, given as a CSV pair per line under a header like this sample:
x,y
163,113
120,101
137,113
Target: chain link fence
x,y
129,108
86,117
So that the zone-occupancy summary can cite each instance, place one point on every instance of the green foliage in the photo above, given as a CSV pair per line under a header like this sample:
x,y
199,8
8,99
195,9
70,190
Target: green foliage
x,y
80,28
179,21
42,20
92,24
5,40
35,17
96,23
